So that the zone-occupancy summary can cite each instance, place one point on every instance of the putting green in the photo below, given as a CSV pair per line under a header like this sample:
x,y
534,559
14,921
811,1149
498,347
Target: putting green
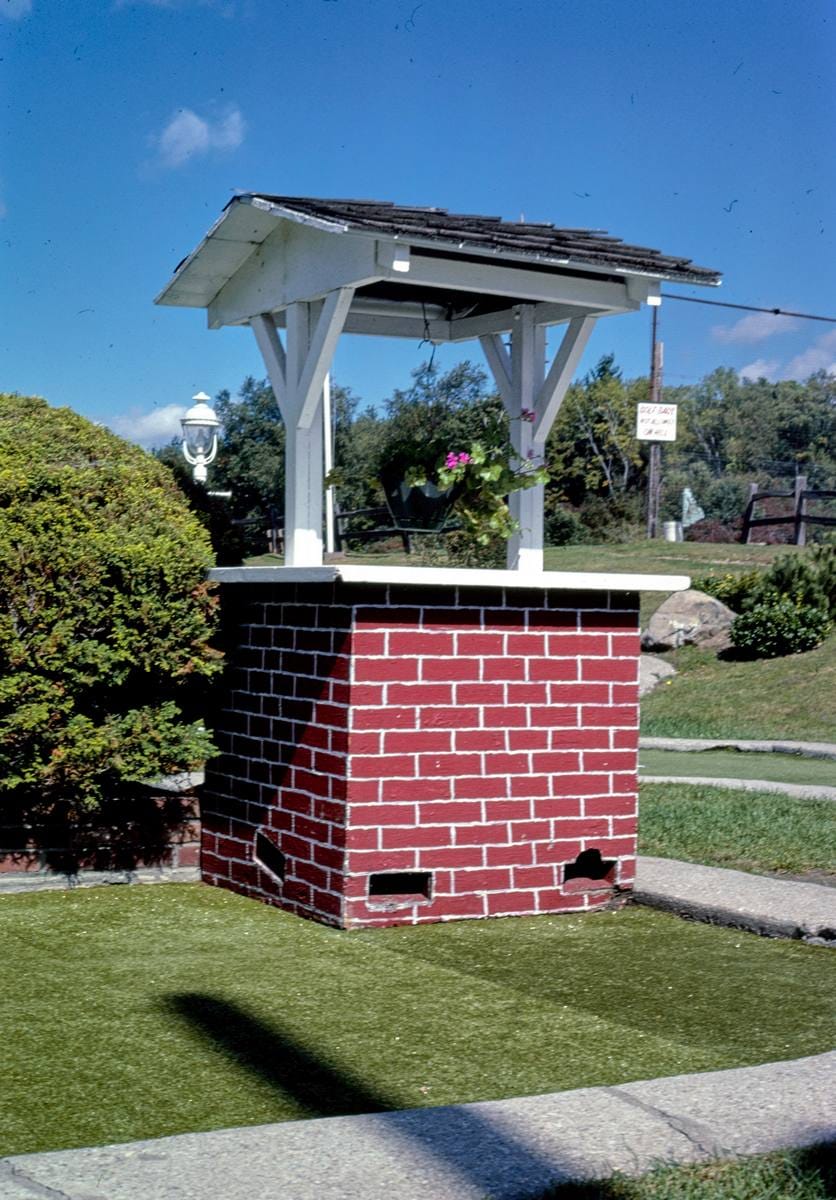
x,y
130,1013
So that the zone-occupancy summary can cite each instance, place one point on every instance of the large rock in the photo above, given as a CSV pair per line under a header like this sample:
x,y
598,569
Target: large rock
x,y
689,618
653,670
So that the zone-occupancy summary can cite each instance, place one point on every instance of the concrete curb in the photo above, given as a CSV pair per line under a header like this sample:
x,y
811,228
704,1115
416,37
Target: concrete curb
x,y
806,749
504,1149
757,903
48,881
801,791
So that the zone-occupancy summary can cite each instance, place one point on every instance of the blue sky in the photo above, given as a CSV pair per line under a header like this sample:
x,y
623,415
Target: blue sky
x,y
701,127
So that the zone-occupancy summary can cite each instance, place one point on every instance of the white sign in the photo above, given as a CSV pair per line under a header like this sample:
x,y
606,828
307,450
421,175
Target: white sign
x,y
656,422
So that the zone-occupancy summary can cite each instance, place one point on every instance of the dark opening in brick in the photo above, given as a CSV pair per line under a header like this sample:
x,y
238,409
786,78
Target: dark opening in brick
x,y
401,885
589,873
269,856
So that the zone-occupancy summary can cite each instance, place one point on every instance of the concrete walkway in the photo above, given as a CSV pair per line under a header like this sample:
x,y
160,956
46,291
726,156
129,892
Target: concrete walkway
x,y
806,749
801,791
502,1150
775,907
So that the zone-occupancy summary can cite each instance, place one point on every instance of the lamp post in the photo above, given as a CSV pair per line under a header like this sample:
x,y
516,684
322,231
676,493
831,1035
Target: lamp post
x,y
200,436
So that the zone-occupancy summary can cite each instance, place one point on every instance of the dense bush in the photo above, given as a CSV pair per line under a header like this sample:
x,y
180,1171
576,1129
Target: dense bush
x,y
562,527
808,579
779,625
736,591
105,615
611,520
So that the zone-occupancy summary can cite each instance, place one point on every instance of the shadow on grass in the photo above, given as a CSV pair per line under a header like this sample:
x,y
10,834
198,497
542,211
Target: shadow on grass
x,y
275,1058
469,1144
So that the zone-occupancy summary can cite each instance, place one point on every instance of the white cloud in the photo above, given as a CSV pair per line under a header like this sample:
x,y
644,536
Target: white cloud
x,y
820,356
154,428
755,327
15,9
761,368
187,136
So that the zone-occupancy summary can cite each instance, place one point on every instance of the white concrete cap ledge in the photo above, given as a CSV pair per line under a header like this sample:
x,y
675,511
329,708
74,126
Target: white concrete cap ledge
x,y
595,581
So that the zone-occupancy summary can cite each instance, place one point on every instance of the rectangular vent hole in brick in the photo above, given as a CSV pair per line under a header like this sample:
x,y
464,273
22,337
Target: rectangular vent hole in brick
x,y
401,887
589,873
269,856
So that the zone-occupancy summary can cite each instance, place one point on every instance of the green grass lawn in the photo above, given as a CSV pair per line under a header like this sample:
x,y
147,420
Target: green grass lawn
x,y
793,697
133,1013
736,764
808,1174
748,831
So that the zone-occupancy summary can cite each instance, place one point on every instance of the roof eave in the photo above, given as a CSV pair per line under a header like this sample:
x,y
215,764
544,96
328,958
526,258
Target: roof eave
x,y
490,254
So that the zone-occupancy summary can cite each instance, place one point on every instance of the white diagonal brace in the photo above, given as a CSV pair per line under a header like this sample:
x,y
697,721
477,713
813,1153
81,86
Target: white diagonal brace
x,y
560,374
322,346
499,361
272,351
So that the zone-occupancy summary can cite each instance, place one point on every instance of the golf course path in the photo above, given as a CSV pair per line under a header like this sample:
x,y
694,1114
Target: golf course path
x,y
758,903
801,791
503,1149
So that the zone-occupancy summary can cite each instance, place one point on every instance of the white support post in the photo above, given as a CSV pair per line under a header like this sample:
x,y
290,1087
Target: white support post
x,y
322,342
560,374
328,447
272,351
298,378
528,352
303,452
524,387
499,361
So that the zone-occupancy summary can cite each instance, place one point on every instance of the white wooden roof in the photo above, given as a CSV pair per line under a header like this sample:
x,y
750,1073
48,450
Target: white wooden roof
x,y
414,271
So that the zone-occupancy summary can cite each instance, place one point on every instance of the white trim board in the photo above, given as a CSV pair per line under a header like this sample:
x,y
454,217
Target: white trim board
x,y
595,581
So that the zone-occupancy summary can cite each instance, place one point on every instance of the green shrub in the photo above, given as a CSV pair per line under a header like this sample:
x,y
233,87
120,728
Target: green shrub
x,y
611,519
824,557
779,625
105,614
734,590
799,577
562,527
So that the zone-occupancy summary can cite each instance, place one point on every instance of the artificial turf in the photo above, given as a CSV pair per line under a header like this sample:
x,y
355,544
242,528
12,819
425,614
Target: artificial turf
x,y
744,830
133,1013
736,764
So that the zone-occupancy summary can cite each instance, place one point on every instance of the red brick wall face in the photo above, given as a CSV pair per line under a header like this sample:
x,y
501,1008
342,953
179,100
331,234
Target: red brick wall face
x,y
475,742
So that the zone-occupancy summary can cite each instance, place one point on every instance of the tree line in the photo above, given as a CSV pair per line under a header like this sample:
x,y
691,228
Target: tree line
x,y
731,432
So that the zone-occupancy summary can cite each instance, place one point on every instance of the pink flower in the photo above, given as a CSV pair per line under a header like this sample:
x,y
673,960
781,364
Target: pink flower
x,y
451,461
464,458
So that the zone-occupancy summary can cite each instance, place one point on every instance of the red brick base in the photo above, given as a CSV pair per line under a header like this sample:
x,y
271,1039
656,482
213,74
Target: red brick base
x,y
396,755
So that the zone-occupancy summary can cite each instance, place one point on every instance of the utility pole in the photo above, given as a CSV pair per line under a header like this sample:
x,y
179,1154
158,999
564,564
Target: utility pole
x,y
654,480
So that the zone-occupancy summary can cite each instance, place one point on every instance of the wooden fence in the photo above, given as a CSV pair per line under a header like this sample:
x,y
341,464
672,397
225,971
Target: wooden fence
x,y
799,517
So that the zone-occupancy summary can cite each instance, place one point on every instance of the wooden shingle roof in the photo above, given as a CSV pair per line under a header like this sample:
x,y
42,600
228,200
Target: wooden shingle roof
x,y
520,240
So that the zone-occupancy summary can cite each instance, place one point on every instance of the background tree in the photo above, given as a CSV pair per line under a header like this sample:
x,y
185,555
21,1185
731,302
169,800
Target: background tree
x,y
438,413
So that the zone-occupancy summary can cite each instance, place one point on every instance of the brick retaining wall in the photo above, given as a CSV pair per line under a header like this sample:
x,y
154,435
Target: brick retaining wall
x,y
148,836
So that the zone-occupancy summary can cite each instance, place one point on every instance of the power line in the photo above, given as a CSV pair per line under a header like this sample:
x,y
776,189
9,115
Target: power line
x,y
775,312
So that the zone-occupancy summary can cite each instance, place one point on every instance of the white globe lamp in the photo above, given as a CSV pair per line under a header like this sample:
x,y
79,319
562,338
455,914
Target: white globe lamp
x,y
200,436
